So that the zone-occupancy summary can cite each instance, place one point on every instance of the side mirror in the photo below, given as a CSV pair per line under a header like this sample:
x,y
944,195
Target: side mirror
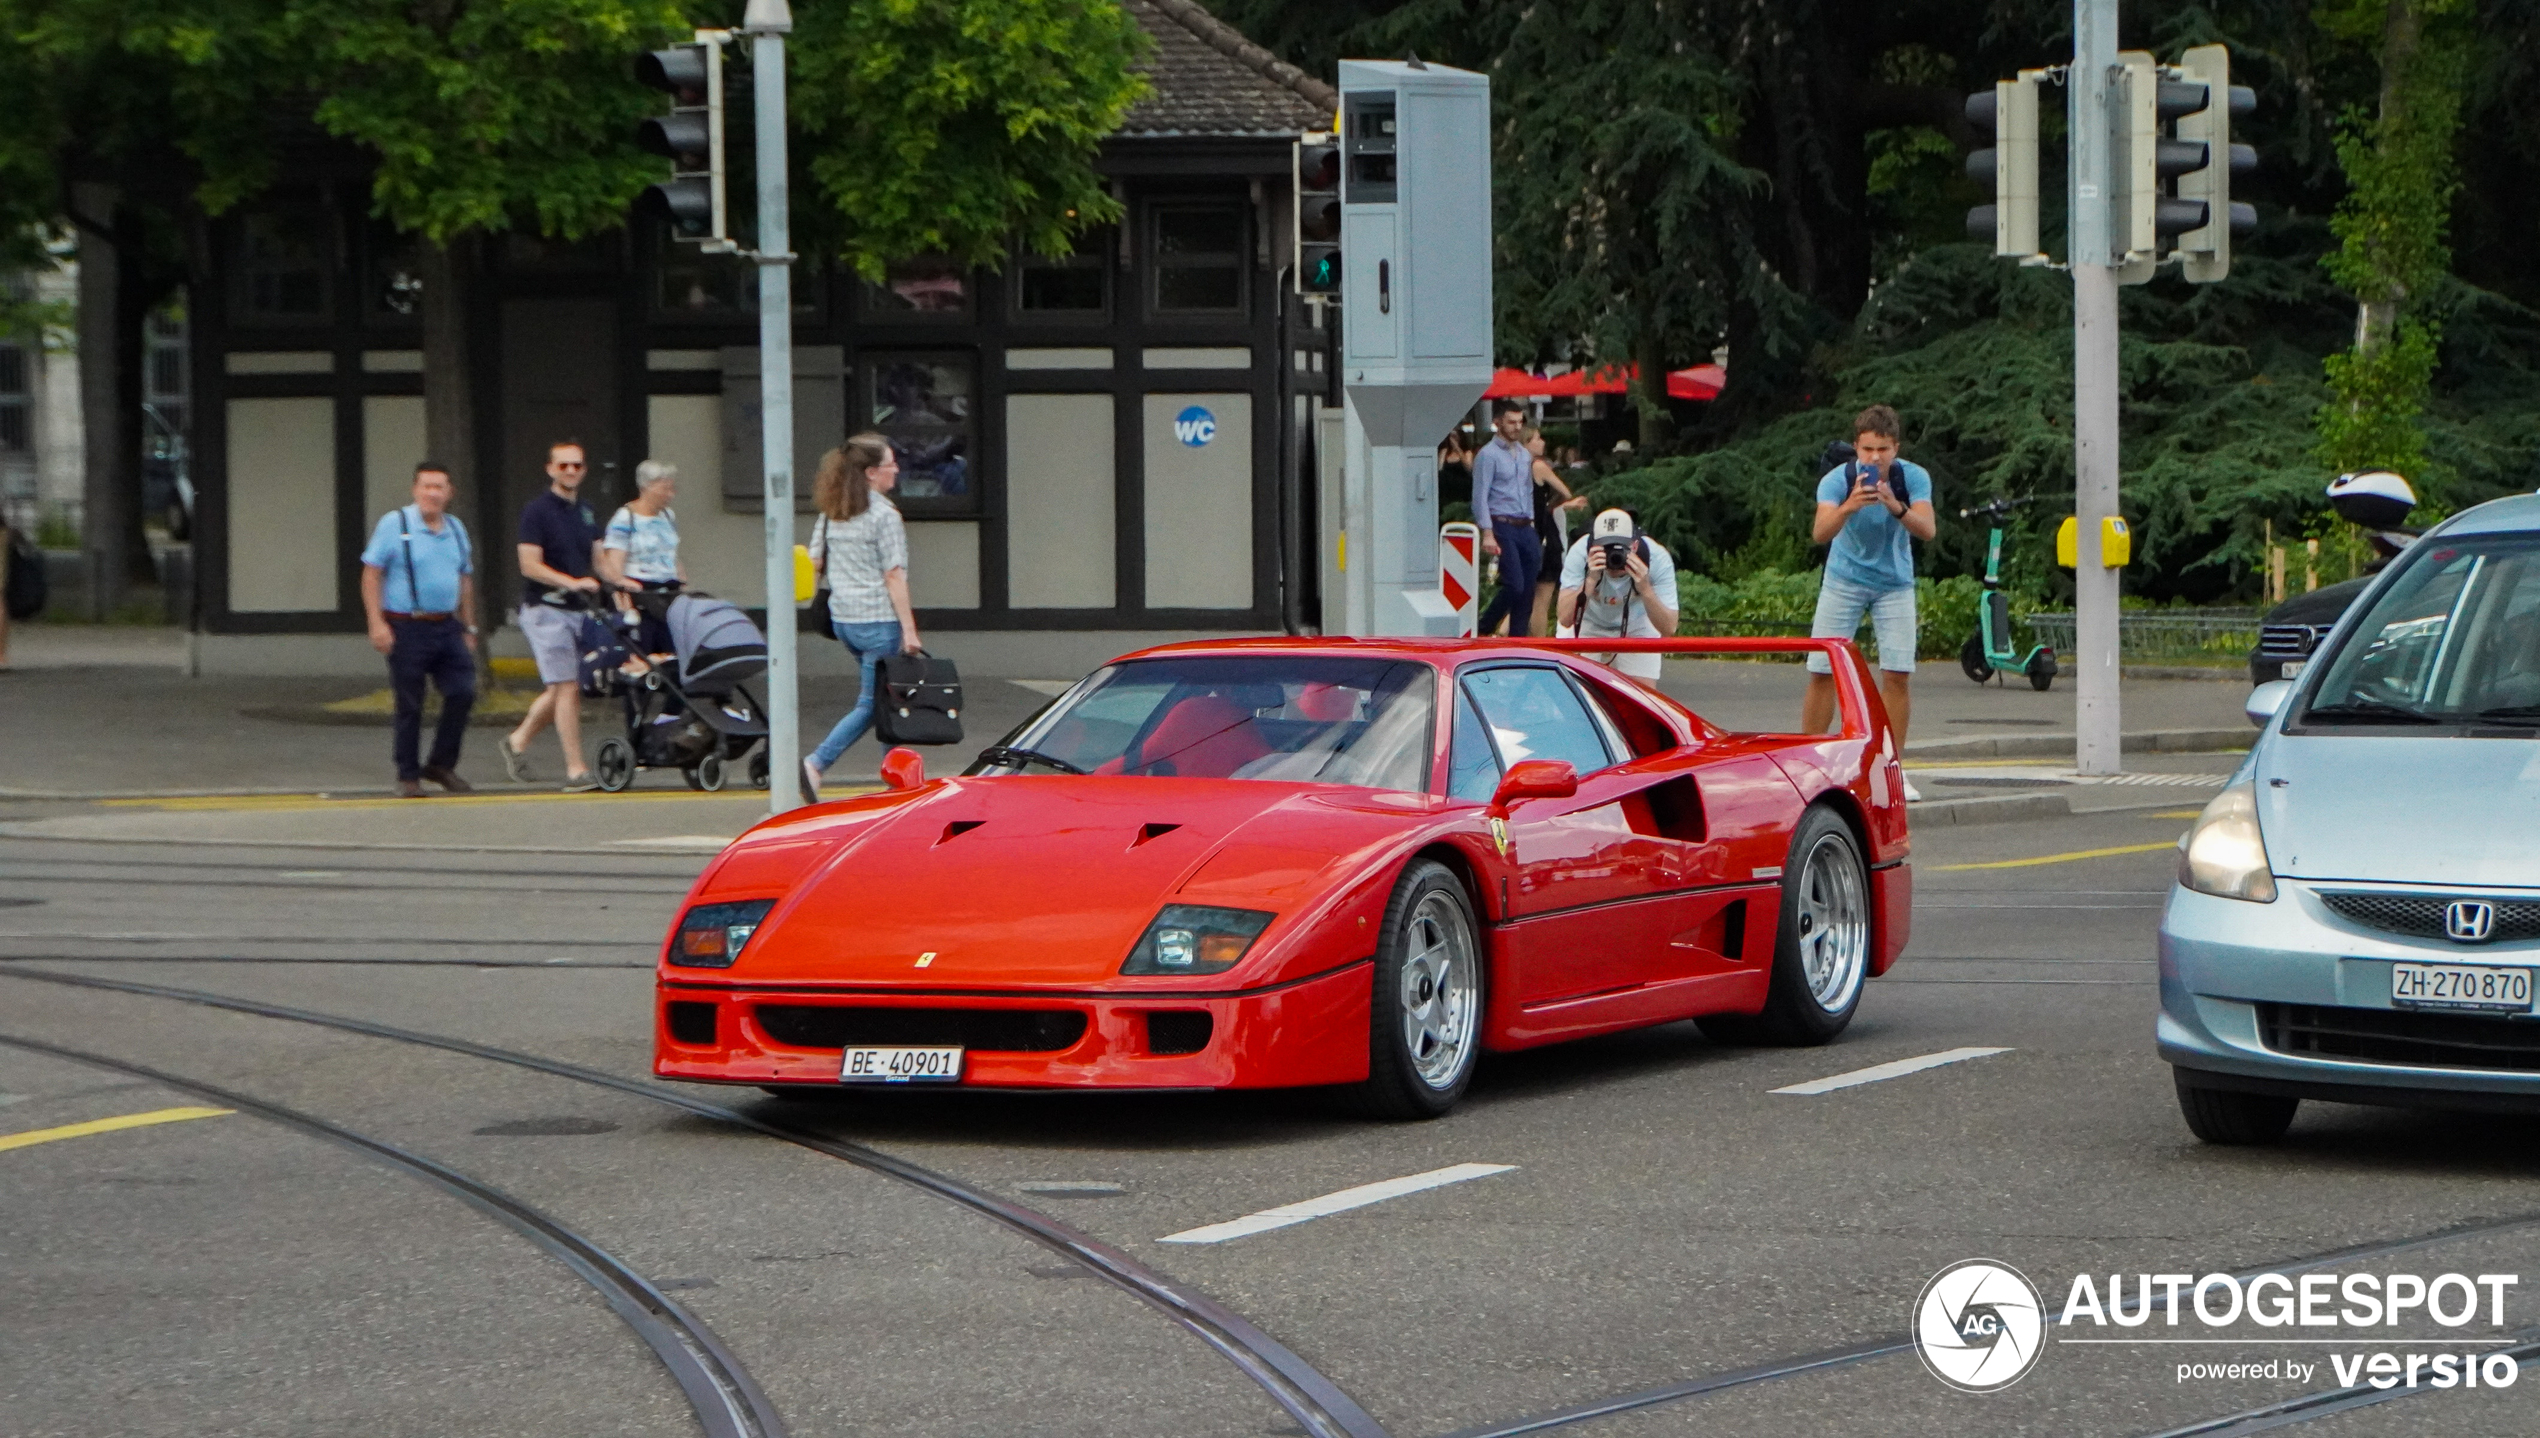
x,y
1533,779
2265,700
903,768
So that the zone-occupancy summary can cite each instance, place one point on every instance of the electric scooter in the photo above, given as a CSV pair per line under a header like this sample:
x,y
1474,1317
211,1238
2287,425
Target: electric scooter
x,y
1989,650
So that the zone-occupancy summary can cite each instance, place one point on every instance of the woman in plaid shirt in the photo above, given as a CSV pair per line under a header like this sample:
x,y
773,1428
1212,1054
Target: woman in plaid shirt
x,y
861,547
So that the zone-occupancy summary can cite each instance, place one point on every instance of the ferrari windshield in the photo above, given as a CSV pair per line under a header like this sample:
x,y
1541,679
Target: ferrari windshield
x,y
2453,641
1305,719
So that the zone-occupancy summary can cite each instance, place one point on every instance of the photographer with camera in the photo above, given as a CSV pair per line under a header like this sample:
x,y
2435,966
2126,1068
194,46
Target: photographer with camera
x,y
1869,513
1618,583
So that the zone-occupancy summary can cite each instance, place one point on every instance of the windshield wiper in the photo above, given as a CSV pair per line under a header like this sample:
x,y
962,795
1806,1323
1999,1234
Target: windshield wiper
x,y
2524,714
1008,754
2363,709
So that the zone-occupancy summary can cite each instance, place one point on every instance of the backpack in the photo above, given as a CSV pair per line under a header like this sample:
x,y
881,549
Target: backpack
x,y
920,700
28,584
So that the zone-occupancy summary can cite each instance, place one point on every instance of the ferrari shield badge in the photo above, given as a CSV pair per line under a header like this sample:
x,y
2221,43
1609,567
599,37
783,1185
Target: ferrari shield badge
x,y
1499,835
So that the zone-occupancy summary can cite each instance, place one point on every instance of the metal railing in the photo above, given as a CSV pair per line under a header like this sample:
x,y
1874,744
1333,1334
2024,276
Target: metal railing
x,y
2201,636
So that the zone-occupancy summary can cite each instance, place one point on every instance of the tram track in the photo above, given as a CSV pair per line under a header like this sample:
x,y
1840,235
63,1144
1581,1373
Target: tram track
x,y
1318,1404
726,1400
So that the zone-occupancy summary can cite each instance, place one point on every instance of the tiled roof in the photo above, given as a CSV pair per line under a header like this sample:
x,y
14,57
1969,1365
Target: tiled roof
x,y
1207,80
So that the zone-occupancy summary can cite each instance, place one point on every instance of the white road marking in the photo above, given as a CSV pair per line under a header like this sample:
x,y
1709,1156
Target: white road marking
x,y
1072,1187
1898,1069
1331,1203
685,843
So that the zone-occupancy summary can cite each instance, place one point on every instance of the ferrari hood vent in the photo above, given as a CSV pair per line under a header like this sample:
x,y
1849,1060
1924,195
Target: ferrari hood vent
x,y
957,828
1152,831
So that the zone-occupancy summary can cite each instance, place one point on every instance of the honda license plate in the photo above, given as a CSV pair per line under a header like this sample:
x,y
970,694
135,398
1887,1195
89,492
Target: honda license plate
x,y
900,1065
2460,986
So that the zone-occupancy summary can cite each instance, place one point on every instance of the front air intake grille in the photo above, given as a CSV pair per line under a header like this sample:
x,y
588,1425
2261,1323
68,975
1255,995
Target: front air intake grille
x,y
1180,1031
2421,915
828,1026
2393,1036
691,1022
2289,641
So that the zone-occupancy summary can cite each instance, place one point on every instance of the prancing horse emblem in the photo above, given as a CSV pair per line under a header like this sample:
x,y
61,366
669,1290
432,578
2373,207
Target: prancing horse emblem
x,y
1499,835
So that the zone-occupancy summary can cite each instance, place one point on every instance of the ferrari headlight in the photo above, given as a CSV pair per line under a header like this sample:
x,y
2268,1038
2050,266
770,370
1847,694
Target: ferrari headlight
x,y
1188,939
711,935
2224,854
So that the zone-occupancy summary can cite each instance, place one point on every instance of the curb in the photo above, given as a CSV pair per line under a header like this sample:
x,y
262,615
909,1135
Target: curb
x,y
2034,746
1994,809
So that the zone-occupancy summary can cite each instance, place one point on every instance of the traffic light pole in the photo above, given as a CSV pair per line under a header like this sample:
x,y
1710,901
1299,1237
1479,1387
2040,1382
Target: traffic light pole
x,y
766,24
2094,93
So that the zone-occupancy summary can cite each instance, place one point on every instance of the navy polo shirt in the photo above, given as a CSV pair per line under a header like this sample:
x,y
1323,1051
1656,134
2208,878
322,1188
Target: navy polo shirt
x,y
564,531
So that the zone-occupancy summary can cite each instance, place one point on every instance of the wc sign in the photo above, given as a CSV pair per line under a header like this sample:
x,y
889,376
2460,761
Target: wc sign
x,y
1195,427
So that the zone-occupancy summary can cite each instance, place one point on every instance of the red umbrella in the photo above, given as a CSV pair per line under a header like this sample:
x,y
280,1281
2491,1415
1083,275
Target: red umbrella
x,y
1699,382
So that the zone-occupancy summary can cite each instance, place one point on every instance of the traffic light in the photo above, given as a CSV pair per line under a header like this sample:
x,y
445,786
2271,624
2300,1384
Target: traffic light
x,y
2007,112
1318,215
2173,165
2205,251
691,135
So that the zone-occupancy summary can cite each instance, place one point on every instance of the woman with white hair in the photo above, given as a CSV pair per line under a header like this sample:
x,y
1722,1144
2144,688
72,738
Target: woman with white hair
x,y
639,550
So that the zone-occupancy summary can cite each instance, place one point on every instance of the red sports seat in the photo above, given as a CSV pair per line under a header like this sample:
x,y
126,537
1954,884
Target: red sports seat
x,y
1206,737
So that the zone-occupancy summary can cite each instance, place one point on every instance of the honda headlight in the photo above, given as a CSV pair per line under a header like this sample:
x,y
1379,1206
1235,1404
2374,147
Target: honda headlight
x,y
1188,939
711,935
2224,854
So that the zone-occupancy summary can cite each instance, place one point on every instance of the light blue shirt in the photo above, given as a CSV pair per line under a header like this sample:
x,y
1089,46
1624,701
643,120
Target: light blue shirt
x,y
1873,549
1503,482
650,543
421,566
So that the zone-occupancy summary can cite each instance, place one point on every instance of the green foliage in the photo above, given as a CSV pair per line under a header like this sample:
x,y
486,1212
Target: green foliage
x,y
955,127
2391,226
492,114
1771,600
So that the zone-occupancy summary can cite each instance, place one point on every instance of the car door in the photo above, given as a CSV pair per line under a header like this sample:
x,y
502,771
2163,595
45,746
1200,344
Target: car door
x,y
1580,870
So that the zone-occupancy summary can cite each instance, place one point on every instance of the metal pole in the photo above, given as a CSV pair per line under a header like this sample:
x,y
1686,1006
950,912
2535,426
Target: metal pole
x,y
766,23
2094,94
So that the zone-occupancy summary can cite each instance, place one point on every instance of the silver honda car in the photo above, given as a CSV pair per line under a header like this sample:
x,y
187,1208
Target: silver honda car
x,y
2357,916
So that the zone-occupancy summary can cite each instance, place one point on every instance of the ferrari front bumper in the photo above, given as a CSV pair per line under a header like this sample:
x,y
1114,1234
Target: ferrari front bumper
x,y
1308,1032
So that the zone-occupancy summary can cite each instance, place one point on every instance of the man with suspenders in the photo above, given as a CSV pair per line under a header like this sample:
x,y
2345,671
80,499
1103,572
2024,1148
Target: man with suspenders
x,y
418,587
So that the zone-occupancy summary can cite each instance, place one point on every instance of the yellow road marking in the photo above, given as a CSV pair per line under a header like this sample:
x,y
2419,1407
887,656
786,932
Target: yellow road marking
x,y
1985,764
2058,858
2176,814
107,1125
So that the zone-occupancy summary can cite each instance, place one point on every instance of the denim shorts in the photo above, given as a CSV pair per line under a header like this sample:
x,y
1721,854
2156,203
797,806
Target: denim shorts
x,y
1840,605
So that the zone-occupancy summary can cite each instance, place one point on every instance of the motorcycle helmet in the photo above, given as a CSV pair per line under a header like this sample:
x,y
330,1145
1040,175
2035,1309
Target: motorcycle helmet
x,y
2373,498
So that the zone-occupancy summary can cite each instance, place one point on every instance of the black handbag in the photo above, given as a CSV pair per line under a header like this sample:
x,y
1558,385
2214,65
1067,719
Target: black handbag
x,y
920,702
814,618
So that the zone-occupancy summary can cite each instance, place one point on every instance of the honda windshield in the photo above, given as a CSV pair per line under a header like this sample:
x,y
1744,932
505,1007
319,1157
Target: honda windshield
x,y
1306,719
2451,644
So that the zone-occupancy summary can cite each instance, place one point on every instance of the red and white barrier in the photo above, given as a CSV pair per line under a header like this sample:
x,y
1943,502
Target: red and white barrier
x,y
1460,573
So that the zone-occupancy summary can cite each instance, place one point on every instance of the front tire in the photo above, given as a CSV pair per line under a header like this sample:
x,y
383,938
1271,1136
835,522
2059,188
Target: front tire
x,y
2041,670
1821,951
1971,659
1425,1017
2230,1117
710,773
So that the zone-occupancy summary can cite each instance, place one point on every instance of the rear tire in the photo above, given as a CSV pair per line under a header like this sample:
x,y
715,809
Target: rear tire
x,y
2230,1117
614,765
2041,670
1821,950
1971,659
1425,1014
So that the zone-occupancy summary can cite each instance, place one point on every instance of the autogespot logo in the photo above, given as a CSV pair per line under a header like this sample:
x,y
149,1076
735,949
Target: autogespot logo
x,y
1979,1325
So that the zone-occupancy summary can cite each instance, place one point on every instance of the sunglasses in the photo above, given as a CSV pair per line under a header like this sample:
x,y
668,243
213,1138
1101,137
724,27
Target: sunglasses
x,y
561,465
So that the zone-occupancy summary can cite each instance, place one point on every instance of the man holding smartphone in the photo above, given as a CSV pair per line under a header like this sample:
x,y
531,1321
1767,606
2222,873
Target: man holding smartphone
x,y
1869,513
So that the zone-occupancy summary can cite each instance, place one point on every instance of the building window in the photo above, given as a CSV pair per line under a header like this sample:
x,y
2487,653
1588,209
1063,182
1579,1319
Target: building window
x,y
927,289
925,404
17,429
1069,287
1197,256
285,267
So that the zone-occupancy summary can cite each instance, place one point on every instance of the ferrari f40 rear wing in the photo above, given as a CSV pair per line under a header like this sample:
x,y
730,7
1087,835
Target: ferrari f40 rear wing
x,y
1856,697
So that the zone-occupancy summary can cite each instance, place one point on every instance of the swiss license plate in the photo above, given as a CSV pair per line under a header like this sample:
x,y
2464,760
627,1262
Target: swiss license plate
x,y
900,1065
2460,986
2293,668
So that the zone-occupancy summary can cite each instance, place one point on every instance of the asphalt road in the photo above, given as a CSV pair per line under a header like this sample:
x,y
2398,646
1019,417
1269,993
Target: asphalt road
x,y
1664,1219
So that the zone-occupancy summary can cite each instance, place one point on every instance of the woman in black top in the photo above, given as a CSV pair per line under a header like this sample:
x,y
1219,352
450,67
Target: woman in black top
x,y
1551,496
1455,471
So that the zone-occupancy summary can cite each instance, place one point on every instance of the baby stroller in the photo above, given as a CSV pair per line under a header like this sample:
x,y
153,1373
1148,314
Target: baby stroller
x,y
692,711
